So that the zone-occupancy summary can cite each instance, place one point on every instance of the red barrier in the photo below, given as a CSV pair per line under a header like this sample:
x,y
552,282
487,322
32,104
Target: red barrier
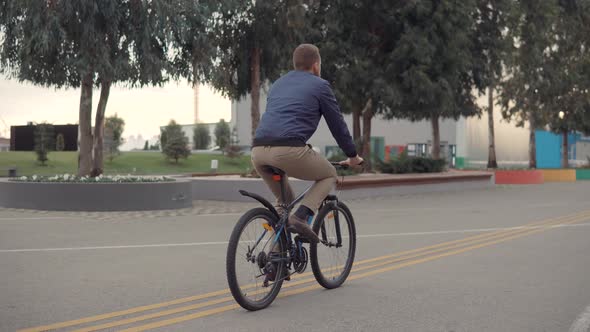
x,y
519,177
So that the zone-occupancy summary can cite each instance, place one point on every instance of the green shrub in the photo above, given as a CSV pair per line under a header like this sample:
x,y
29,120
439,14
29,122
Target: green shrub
x,y
113,136
405,164
222,134
201,136
233,150
176,144
60,143
44,142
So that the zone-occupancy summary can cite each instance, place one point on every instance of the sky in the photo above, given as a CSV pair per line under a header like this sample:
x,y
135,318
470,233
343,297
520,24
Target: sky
x,y
144,110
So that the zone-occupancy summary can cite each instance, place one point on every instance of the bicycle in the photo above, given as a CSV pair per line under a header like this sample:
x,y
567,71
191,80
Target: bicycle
x,y
287,255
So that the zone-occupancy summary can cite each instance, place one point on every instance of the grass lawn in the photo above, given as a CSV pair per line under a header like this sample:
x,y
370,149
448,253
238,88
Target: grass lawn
x,y
140,163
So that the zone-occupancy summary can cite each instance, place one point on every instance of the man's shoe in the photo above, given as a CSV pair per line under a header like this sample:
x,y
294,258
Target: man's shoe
x,y
300,226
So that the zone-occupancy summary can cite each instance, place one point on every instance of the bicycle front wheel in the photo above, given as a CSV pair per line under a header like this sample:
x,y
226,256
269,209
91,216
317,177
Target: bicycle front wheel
x,y
331,261
255,262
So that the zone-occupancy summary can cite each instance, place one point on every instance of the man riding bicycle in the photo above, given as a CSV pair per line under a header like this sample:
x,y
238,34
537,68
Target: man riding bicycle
x,y
295,104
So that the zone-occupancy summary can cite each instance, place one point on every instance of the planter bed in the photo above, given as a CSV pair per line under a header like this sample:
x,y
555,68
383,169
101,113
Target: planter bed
x,y
559,175
101,196
519,176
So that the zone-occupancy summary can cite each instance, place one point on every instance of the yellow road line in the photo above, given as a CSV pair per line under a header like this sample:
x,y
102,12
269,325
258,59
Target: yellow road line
x,y
300,282
226,291
214,311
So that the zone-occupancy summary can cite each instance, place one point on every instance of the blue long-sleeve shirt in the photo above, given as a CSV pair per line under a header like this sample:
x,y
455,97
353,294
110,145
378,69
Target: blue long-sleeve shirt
x,y
296,102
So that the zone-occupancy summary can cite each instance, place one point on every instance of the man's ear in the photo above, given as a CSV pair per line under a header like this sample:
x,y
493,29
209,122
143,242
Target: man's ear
x,y
317,68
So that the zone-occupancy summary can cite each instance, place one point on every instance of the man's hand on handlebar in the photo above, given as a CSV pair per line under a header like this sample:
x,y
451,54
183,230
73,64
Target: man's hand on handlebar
x,y
352,162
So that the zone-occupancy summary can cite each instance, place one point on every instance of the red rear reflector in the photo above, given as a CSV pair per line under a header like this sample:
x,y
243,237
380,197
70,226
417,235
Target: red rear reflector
x,y
276,178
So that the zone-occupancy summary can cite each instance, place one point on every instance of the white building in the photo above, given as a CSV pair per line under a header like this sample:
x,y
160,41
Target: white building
x,y
4,144
188,129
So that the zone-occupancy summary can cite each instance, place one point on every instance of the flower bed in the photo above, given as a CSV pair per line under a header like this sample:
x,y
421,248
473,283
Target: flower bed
x,y
67,178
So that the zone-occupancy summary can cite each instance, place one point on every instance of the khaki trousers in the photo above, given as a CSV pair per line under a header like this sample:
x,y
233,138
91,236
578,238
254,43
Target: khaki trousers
x,y
301,163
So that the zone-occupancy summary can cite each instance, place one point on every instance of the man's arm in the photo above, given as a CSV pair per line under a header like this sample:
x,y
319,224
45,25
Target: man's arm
x,y
331,112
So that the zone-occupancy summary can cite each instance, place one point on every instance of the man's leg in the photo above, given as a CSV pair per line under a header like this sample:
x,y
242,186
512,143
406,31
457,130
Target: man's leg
x,y
306,164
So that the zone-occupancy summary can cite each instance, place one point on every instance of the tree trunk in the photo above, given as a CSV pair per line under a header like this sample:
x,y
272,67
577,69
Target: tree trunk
x,y
492,162
435,137
532,142
255,89
356,124
366,141
85,127
98,163
565,150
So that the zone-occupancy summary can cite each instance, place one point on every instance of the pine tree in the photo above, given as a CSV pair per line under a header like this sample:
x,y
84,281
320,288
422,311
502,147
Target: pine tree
x,y
114,127
222,134
201,136
176,145
44,141
60,143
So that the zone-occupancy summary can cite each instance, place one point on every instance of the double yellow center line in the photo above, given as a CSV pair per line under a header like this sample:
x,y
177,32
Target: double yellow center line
x,y
361,269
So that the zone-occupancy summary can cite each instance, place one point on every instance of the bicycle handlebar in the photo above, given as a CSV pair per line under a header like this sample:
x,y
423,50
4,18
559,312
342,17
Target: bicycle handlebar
x,y
340,166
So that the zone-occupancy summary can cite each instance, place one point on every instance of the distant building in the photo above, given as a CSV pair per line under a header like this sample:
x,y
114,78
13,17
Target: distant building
x,y
22,138
4,144
133,143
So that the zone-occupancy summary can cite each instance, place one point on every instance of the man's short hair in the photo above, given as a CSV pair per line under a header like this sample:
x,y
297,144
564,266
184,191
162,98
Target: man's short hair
x,y
305,55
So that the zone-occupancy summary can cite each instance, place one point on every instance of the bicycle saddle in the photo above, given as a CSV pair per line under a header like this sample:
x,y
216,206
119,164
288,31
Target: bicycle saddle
x,y
274,170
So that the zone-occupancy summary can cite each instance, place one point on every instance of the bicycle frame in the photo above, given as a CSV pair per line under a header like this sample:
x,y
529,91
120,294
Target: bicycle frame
x,y
280,227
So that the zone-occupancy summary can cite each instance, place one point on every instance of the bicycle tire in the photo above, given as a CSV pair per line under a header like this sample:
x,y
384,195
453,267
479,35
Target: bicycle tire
x,y
232,248
315,265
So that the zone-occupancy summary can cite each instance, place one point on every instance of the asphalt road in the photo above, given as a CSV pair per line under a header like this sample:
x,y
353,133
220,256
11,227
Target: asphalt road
x,y
502,259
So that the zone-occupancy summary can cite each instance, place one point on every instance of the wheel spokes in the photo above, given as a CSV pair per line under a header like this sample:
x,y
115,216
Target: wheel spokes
x,y
253,250
333,255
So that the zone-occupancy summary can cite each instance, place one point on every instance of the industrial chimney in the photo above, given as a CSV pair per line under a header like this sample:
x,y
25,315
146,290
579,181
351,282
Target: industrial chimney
x,y
196,101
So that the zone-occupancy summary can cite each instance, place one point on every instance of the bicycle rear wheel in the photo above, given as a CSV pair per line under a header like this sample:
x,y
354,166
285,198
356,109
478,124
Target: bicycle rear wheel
x,y
332,261
252,252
